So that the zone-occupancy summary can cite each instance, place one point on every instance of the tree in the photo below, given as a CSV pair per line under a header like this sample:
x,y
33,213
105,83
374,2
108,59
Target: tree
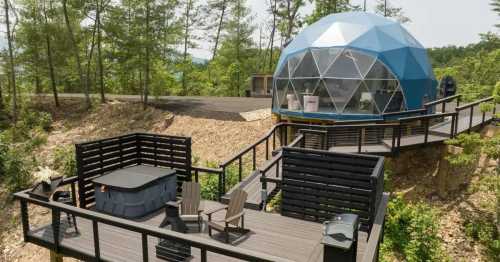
x,y
496,8
76,53
386,9
48,46
236,46
323,8
288,12
100,7
191,18
216,9
7,7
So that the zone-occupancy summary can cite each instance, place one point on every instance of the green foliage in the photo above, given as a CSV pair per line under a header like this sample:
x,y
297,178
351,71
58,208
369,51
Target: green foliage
x,y
64,160
474,67
491,147
15,167
411,230
483,229
481,225
275,202
471,144
486,107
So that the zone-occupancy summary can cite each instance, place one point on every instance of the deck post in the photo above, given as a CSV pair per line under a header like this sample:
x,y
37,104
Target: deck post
x,y
470,119
267,146
25,219
97,250
254,156
55,257
263,192
360,139
426,134
56,214
274,140
203,255
145,255
240,168
443,109
453,122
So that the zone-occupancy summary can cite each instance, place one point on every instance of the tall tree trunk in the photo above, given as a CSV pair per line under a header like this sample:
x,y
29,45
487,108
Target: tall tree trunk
x,y
99,9
219,28
11,62
49,58
273,31
1,97
76,53
89,57
186,42
238,40
148,43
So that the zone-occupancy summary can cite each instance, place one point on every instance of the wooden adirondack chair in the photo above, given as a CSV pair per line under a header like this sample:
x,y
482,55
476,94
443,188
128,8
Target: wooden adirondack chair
x,y
190,204
234,213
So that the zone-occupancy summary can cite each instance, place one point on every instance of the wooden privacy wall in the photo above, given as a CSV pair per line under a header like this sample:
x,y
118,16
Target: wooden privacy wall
x,y
99,157
319,184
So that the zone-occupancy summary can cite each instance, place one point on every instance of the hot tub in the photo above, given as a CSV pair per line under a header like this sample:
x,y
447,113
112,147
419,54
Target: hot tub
x,y
135,191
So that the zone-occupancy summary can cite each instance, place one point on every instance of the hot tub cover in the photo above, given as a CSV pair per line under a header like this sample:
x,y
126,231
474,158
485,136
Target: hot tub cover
x,y
133,178
136,191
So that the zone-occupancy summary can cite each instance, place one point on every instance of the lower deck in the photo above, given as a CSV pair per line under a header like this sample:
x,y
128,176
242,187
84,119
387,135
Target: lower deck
x,y
273,234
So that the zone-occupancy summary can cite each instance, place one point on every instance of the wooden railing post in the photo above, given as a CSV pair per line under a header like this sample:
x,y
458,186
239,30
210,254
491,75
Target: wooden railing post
x,y
267,146
240,168
360,139
453,123
443,108
145,253
25,218
274,139
221,182
203,255
470,119
97,249
56,221
263,192
254,158
426,131
196,176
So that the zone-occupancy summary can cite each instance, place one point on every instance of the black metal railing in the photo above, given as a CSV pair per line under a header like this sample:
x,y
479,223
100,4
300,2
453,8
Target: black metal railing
x,y
470,109
204,245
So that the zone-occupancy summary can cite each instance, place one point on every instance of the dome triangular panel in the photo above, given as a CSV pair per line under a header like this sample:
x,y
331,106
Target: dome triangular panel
x,y
324,57
361,102
343,67
325,102
341,90
307,67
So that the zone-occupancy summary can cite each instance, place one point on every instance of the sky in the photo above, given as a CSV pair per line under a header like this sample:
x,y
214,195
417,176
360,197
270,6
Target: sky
x,y
435,23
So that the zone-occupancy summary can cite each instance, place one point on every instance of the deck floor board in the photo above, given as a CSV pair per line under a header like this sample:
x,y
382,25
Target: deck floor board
x,y
290,238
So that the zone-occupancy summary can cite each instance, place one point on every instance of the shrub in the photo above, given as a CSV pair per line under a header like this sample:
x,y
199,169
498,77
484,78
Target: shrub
x,y
17,167
486,107
32,119
471,144
411,230
64,160
482,228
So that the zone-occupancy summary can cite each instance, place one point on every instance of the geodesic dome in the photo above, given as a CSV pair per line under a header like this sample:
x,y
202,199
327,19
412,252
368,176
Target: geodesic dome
x,y
352,65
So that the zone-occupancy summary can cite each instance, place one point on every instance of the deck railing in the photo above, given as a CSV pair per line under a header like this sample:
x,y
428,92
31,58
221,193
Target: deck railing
x,y
204,245
470,107
443,101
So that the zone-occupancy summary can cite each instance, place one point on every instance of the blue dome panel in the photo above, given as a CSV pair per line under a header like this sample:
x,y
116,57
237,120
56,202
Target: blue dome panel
x,y
382,38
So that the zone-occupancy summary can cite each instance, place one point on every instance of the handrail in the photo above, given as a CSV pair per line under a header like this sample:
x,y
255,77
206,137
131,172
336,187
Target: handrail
x,y
442,100
471,104
147,230
408,112
296,141
429,116
377,232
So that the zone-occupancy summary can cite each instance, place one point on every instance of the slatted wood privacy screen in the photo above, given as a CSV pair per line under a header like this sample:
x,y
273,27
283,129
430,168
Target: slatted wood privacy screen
x,y
318,184
99,157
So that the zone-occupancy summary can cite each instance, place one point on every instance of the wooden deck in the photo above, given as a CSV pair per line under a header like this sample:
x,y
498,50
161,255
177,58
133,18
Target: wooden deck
x,y
437,134
280,236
